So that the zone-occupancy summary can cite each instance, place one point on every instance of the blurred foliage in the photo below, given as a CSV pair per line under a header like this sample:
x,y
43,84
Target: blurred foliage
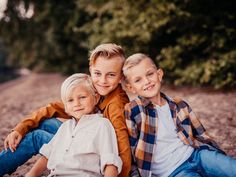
x,y
192,40
6,72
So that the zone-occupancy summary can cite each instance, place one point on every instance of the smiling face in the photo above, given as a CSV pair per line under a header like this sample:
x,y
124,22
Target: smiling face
x,y
106,74
80,101
144,79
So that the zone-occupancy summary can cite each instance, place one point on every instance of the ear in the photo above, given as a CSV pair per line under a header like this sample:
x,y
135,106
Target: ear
x,y
122,79
90,70
129,88
160,73
97,98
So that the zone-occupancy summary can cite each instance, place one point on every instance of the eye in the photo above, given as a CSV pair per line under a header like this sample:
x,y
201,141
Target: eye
x,y
70,100
150,73
111,75
82,97
97,73
137,80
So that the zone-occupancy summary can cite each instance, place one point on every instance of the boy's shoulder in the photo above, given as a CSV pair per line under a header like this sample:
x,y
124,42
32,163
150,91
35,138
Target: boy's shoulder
x,y
100,121
142,102
118,98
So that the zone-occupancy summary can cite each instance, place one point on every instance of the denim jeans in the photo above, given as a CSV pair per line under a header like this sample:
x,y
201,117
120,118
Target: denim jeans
x,y
206,163
29,146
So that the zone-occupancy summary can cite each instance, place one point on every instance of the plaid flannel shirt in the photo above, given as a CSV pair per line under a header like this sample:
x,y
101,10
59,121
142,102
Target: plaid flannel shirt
x,y
141,121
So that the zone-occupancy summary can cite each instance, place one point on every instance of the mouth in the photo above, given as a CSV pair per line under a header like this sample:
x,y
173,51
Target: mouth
x,y
78,110
103,86
149,87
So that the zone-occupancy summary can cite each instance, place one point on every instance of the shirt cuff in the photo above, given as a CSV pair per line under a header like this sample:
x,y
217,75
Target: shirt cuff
x,y
45,150
110,159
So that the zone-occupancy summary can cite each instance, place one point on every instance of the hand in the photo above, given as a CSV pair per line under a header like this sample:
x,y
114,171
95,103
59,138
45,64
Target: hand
x,y
30,174
12,140
110,171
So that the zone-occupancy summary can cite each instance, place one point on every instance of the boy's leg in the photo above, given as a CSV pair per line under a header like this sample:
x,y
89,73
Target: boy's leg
x,y
217,164
187,173
29,146
50,125
189,168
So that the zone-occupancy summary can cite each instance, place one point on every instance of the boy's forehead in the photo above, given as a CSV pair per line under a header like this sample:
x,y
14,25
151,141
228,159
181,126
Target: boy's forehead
x,y
114,63
141,68
80,88
144,65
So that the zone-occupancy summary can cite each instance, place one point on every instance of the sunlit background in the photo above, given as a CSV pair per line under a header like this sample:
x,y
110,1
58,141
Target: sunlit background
x,y
194,41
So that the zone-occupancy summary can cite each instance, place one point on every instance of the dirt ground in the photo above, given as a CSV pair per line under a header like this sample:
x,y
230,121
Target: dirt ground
x,y
18,98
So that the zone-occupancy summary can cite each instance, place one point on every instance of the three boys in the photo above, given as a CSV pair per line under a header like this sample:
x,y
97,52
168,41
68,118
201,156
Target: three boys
x,y
166,137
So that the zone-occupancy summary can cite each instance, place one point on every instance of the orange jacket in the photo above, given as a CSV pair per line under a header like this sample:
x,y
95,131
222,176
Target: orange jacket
x,y
112,107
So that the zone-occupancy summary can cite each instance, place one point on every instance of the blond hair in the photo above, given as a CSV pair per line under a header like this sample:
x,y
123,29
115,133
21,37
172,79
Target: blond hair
x,y
134,60
73,81
107,51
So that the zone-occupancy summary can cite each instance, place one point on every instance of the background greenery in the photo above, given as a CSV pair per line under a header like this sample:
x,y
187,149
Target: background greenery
x,y
194,41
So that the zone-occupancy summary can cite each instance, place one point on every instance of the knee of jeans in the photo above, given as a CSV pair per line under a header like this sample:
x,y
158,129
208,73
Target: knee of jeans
x,y
47,122
50,125
40,137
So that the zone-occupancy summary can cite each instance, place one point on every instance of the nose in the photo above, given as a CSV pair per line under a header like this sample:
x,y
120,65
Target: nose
x,y
146,80
77,102
103,79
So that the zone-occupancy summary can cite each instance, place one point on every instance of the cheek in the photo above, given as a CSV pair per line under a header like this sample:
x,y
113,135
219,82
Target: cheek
x,y
117,80
93,78
66,109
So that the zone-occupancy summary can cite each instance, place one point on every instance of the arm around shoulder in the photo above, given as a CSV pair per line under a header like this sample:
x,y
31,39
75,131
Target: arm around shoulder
x,y
33,120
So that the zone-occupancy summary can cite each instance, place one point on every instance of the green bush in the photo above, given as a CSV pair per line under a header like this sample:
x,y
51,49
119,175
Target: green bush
x,y
193,41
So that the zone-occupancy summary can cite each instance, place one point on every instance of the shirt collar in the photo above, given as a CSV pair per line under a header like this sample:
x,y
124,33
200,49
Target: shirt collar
x,y
146,102
105,100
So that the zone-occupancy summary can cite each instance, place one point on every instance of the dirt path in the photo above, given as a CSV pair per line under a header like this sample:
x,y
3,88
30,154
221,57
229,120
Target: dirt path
x,y
22,96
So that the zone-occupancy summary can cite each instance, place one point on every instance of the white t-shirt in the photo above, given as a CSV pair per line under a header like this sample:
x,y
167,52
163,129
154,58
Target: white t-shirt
x,y
169,152
83,148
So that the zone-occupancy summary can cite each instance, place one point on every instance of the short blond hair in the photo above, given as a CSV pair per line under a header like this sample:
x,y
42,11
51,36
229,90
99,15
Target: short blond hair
x,y
134,60
73,81
107,51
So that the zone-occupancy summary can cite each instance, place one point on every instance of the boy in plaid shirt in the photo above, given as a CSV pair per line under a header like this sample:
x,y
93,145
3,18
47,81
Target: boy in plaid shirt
x,y
166,137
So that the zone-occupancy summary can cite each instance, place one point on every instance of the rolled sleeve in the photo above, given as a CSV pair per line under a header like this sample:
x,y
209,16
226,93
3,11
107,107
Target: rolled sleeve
x,y
108,149
45,150
110,159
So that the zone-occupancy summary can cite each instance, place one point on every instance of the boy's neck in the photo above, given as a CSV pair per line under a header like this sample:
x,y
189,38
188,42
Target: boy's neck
x,y
158,100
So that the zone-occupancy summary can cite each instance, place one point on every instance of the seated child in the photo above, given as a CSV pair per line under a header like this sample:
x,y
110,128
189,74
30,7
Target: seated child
x,y
166,137
85,145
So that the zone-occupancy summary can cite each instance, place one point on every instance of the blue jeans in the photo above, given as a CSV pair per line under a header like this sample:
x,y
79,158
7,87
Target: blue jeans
x,y
206,163
29,146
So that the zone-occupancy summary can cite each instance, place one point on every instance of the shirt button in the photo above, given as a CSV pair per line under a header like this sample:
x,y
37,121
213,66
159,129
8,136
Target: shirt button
x,y
72,136
66,150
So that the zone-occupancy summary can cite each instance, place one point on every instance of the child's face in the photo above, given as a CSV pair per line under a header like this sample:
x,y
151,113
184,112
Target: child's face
x,y
80,101
145,80
106,74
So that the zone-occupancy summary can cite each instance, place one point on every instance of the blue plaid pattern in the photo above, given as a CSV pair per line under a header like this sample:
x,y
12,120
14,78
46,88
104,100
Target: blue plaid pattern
x,y
141,121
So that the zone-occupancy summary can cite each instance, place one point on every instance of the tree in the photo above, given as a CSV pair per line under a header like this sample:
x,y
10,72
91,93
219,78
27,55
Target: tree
x,y
192,40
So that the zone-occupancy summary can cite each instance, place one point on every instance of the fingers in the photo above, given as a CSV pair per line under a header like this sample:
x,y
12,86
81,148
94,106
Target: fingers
x,y
17,141
6,145
12,141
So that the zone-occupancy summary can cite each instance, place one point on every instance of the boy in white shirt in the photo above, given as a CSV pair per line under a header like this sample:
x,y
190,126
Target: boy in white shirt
x,y
85,145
